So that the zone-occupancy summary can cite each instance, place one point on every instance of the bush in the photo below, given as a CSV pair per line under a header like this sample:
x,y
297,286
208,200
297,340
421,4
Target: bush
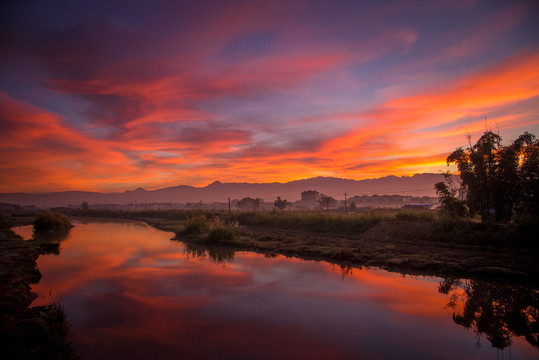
x,y
195,225
52,223
218,234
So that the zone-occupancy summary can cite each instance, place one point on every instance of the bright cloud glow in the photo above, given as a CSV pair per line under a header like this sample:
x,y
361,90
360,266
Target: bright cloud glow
x,y
110,97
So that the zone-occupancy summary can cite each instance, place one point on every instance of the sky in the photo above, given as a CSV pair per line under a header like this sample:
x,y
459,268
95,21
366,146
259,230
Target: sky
x,y
114,95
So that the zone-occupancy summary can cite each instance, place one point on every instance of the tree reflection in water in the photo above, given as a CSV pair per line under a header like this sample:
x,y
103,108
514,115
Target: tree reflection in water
x,y
217,254
49,242
498,311
344,270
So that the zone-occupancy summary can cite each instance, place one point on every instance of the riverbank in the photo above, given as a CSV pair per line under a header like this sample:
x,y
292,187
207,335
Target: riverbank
x,y
419,243
420,247
28,333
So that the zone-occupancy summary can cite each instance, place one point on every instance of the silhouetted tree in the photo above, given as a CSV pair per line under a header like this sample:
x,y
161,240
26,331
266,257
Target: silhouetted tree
x,y
499,177
84,206
327,201
281,204
447,191
248,203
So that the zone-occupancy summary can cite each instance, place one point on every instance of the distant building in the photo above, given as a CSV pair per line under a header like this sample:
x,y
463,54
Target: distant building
x,y
310,195
309,201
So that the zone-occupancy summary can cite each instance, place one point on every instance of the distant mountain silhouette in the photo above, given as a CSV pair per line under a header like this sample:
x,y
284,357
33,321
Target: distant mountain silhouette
x,y
416,185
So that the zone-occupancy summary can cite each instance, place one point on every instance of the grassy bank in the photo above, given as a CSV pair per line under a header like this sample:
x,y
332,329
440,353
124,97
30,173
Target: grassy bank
x,y
408,242
427,246
28,333
314,222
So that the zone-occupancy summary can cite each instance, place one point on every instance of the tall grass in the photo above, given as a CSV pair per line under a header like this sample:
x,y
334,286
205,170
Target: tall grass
x,y
315,222
213,230
443,228
195,225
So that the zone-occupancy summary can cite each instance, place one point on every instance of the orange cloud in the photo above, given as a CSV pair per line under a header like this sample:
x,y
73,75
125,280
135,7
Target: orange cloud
x,y
250,96
407,128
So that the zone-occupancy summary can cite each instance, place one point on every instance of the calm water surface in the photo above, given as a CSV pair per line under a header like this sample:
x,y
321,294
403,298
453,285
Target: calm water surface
x,y
131,292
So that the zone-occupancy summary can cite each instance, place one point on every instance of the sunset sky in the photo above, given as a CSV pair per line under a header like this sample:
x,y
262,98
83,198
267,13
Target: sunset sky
x,y
113,95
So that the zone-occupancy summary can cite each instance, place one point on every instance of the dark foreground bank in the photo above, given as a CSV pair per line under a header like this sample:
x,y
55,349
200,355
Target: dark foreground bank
x,y
40,332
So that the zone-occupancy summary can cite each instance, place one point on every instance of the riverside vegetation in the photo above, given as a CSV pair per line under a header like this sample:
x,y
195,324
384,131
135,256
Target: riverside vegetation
x,y
416,242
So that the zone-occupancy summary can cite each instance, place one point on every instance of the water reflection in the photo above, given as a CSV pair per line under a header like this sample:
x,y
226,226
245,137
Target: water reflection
x,y
217,254
132,292
49,243
51,237
497,311
345,270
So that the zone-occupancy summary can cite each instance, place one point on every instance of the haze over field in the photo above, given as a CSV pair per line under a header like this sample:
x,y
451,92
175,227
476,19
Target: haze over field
x,y
114,95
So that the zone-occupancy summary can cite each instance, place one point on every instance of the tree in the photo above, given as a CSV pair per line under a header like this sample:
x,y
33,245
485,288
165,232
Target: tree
x,y
527,146
326,201
499,177
447,191
281,204
84,205
248,203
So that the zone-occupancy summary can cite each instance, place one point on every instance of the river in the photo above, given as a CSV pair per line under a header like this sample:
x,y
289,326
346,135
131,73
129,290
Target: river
x,y
129,291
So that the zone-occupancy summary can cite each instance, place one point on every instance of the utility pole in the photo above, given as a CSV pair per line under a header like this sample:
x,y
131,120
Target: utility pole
x,y
228,204
345,204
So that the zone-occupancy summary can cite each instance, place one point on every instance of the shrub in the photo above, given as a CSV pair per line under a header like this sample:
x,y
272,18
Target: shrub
x,y
218,234
52,223
195,225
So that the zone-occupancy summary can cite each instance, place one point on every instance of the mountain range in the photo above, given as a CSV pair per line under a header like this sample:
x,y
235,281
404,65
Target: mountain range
x,y
416,185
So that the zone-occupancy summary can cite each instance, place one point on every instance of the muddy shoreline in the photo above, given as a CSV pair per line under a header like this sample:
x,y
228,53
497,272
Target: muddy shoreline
x,y
40,332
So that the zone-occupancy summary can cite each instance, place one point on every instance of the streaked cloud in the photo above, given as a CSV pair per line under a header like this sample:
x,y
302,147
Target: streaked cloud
x,y
107,97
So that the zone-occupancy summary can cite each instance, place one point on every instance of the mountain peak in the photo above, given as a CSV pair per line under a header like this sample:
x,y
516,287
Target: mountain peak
x,y
137,190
